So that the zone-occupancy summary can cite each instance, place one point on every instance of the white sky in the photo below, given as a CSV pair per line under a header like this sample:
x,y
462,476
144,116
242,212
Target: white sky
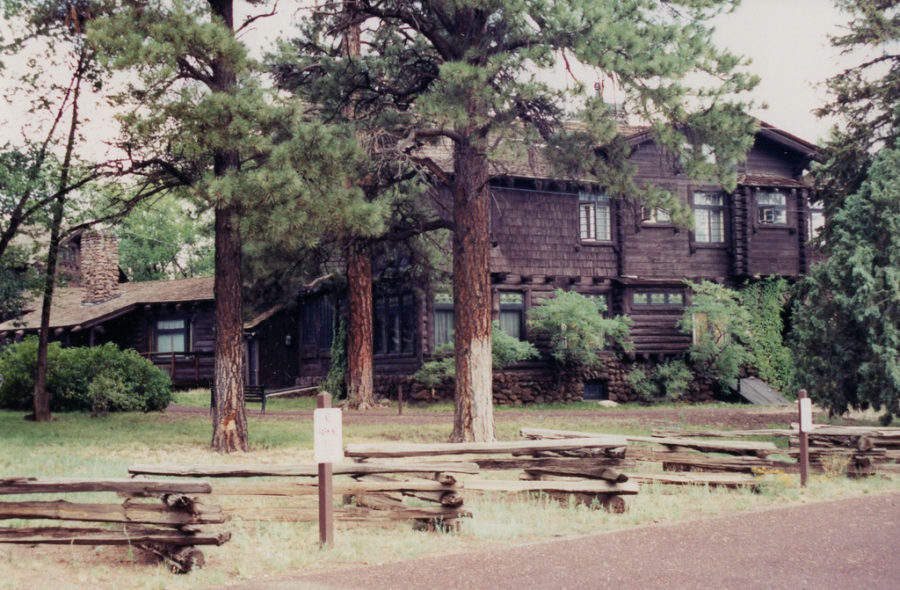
x,y
787,41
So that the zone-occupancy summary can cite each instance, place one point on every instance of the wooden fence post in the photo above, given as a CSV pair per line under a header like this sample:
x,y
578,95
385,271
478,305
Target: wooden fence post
x,y
326,489
805,421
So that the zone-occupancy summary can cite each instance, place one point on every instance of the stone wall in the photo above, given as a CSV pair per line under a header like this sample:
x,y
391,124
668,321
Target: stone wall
x,y
99,267
539,386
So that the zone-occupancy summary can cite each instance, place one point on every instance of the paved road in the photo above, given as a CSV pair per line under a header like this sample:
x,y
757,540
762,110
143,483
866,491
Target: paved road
x,y
845,544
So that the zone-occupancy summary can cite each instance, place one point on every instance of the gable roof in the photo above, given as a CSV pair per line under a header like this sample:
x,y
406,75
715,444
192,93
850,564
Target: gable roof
x,y
69,312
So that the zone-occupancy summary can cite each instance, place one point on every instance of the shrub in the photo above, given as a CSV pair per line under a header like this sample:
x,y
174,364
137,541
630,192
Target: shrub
x,y
669,380
101,378
577,329
505,350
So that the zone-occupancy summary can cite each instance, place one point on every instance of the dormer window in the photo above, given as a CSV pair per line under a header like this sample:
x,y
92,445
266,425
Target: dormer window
x,y
771,207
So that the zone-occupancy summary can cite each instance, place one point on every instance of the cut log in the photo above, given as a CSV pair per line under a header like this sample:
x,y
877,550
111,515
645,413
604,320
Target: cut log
x,y
33,485
595,486
609,502
129,535
724,433
386,450
686,460
604,473
726,480
310,470
574,462
445,497
180,561
312,488
734,447
130,513
348,514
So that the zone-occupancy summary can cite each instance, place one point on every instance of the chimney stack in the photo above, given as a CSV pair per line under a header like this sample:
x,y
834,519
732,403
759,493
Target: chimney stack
x,y
99,267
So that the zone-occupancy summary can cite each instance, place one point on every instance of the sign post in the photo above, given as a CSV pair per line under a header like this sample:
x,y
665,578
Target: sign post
x,y
327,449
806,425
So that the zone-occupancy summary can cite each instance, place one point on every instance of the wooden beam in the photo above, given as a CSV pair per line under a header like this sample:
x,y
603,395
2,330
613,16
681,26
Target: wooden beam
x,y
394,450
127,513
128,535
311,488
592,486
310,470
33,485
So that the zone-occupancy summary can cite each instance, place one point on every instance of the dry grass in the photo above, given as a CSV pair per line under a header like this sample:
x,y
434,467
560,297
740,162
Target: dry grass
x,y
76,445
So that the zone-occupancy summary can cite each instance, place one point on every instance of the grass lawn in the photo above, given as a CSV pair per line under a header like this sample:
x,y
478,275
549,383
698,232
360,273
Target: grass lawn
x,y
77,445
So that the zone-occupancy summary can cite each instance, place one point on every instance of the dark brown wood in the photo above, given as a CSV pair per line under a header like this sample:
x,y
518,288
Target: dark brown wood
x,y
127,535
32,485
307,470
128,513
326,488
604,473
584,465
804,442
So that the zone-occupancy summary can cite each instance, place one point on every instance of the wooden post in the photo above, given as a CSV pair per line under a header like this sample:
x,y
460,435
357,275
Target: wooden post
x,y
804,437
400,400
326,488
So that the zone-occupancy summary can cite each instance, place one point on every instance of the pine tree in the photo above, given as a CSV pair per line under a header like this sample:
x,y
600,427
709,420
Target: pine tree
x,y
198,111
466,74
847,319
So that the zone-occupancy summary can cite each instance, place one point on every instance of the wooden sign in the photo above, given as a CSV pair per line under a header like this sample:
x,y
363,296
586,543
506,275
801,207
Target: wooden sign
x,y
806,415
328,444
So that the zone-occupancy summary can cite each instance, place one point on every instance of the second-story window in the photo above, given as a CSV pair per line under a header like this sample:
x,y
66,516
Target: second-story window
x,y
771,208
594,215
668,298
816,220
709,218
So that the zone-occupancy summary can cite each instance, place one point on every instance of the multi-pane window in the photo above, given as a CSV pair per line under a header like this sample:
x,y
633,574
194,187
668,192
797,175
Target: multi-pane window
x,y
654,215
709,218
171,335
771,208
512,313
658,298
394,324
443,319
317,326
594,214
816,220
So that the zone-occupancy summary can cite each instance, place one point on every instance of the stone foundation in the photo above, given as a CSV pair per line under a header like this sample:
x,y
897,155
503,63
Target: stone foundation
x,y
539,386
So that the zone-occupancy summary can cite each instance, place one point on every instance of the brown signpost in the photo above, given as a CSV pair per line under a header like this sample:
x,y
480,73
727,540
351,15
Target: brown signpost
x,y
327,434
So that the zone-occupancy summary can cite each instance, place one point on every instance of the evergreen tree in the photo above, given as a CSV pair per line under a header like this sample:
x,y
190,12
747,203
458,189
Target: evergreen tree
x,y
847,318
863,97
198,111
466,74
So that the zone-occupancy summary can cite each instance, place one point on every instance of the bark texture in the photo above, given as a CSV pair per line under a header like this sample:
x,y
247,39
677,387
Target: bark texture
x,y
229,415
473,419
359,329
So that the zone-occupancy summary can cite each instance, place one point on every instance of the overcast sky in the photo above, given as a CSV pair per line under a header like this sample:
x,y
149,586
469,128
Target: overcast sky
x,y
787,41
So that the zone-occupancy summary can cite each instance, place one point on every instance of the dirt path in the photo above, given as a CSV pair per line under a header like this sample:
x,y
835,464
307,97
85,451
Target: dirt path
x,y
748,417
828,545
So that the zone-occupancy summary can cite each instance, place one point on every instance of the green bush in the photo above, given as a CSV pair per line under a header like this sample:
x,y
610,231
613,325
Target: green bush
x,y
669,380
99,379
577,329
505,350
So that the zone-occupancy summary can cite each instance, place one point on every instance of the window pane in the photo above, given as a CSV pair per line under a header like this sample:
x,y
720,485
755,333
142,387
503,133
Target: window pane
x,y
770,199
701,225
511,322
510,298
603,226
675,299
586,221
170,342
170,325
717,226
443,326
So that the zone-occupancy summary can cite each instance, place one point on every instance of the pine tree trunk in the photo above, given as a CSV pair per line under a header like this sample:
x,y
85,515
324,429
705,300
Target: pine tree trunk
x,y
359,329
473,419
229,415
41,395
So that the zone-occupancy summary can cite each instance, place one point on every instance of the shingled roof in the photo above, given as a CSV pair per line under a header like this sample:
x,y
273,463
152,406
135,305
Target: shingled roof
x,y
69,312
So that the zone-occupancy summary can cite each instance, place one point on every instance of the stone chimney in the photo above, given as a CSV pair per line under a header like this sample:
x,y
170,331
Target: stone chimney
x,y
99,267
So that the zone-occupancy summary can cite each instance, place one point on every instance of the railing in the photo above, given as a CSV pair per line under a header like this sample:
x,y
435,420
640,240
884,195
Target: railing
x,y
185,368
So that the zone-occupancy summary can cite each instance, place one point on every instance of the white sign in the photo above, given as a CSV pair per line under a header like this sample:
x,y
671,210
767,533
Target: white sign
x,y
328,439
806,415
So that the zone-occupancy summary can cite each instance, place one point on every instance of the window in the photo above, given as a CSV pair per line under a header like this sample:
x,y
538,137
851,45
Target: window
x,y
512,313
709,218
172,335
394,324
654,215
443,319
317,326
816,220
658,298
594,217
771,207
